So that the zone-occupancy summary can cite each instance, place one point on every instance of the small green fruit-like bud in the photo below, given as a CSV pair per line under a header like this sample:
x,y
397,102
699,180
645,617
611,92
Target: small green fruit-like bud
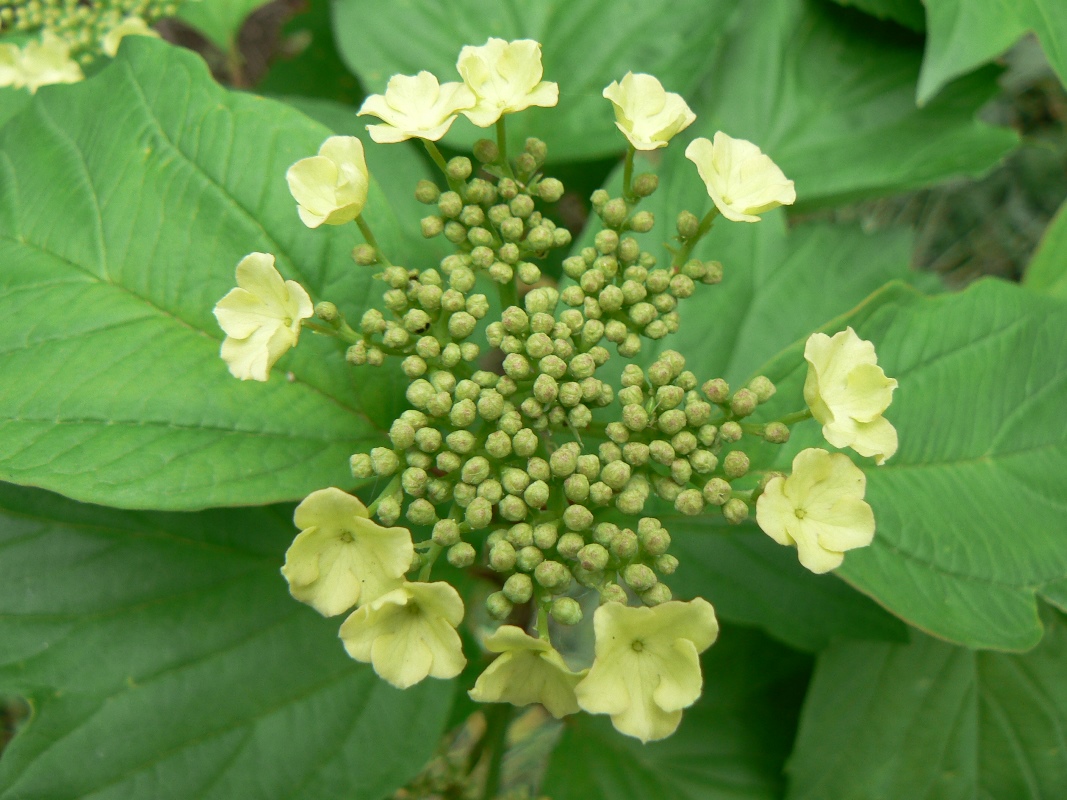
x,y
703,462
512,508
639,577
528,558
525,164
446,532
413,366
479,237
450,204
498,444
645,184
550,190
717,391
688,224
565,460
624,545
707,435
413,479
524,443
717,491
421,512
448,462
384,461
479,513
518,588
538,469
776,432
608,452
666,564
459,168
643,221
614,212
605,532
578,518
576,488
426,192
606,242
762,387
730,431
600,494
697,413
681,472
461,555
635,454
743,402
684,442
485,150
326,311
401,434
552,575
431,226
362,466
735,511
418,460
667,488
735,465
498,605
463,493
689,502
537,494
635,417
389,510
612,593
593,557
461,442
364,255
660,593
529,273
569,544
566,611
520,535
662,452
545,535
502,556
681,286
616,475
629,502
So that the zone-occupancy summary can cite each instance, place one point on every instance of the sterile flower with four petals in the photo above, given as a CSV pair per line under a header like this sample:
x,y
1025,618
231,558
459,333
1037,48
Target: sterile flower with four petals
x,y
647,115
741,180
647,665
261,317
820,508
408,634
505,77
847,392
341,556
331,187
416,107
529,670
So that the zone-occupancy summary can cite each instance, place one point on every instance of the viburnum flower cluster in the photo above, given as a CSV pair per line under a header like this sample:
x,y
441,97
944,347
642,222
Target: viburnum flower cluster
x,y
517,457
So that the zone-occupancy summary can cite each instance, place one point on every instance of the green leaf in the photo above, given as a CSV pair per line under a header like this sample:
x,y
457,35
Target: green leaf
x,y
908,13
164,659
830,97
964,34
731,744
219,20
970,510
587,44
115,250
1047,272
12,101
931,720
751,580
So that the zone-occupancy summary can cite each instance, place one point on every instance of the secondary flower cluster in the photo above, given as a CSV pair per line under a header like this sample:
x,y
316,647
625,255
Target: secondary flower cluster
x,y
69,36
518,457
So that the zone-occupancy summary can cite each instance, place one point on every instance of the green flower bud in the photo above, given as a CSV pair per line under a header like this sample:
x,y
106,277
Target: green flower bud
x,y
439,405
684,442
604,533
461,325
592,282
656,329
608,452
364,255
513,508
666,488
389,510
431,226
566,611
485,150
446,532
522,206
743,402
518,588
491,490
645,184
565,460
463,413
730,431
593,557
624,545
635,454
550,190
510,422
762,387
600,494
459,168
448,462
421,512
384,461
606,242
707,435
569,544
776,433
501,272
528,558
480,237
509,252
476,470
735,465
616,475
552,575
498,606
538,469
539,238
461,555
717,391
642,221
660,593
681,472
395,300
717,491
524,443
413,479
573,296
634,417
502,556
611,299
418,459
642,313
630,502
426,192
561,346
696,414
395,336
735,511
703,462
614,212
639,577
512,229
688,224
578,518
413,366
690,502
490,404
452,300
450,204
529,273
661,452
362,466
451,355
498,445
554,366
525,164
541,300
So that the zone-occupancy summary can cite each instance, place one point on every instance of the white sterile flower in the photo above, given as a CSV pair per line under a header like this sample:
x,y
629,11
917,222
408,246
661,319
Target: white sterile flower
x,y
505,77
647,665
820,508
847,392
341,557
11,66
261,317
646,114
742,181
416,107
48,61
529,670
131,26
331,187
408,633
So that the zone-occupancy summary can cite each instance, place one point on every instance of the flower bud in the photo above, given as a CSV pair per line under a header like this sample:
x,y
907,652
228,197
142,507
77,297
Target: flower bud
x,y
717,391
569,544
421,512
681,472
566,611
697,413
578,518
450,204
616,474
593,557
743,402
479,513
645,184
642,221
389,510
600,494
459,168
446,532
502,556
608,452
735,465
527,559
550,190
730,431
364,255
565,460
485,150
551,575
624,545
630,502
690,502
413,479
498,606
431,226
538,469
776,433
362,466
512,508
426,192
384,461
735,511
518,588
660,593
461,555
639,577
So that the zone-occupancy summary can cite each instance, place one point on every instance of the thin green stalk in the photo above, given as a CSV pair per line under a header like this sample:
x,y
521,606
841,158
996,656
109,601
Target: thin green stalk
x,y
390,489
796,416
683,252
542,622
439,160
502,147
368,235
628,176
431,557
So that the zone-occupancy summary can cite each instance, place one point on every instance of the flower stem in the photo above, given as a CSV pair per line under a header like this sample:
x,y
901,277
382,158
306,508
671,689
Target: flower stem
x,y
439,160
502,147
368,235
390,489
498,716
542,622
796,416
628,176
431,557
683,252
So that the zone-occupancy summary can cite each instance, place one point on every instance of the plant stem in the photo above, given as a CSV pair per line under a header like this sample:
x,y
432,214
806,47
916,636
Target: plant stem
x,y
502,147
542,622
431,557
390,489
796,416
682,255
368,235
497,716
628,175
439,160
